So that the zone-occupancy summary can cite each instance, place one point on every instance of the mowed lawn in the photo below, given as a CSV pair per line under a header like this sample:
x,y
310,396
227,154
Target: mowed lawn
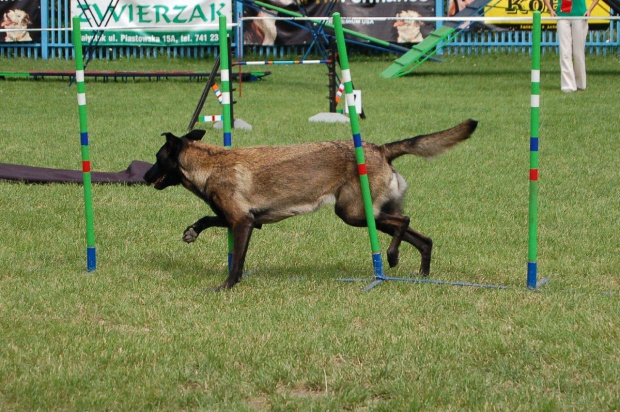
x,y
144,332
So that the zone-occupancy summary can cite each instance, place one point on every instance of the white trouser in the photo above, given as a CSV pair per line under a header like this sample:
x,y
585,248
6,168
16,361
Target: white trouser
x,y
572,37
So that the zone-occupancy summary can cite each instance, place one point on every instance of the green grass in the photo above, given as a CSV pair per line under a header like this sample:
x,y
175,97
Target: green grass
x,y
142,332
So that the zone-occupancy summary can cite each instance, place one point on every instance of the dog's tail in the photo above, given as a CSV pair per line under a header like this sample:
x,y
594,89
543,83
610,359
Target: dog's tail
x,y
430,145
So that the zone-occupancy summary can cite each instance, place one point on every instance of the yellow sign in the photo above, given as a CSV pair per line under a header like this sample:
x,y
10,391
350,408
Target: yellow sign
x,y
525,8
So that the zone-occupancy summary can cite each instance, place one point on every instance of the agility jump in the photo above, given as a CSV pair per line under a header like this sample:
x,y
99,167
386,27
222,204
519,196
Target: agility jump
x,y
335,89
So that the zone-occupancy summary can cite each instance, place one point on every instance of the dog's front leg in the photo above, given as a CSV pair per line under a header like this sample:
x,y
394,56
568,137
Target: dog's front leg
x,y
242,231
191,233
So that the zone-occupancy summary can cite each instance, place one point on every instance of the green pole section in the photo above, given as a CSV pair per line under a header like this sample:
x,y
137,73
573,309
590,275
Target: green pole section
x,y
91,254
534,133
226,122
359,150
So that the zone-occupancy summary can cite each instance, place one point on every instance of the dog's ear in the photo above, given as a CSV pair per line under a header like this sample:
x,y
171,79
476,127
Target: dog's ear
x,y
195,134
170,138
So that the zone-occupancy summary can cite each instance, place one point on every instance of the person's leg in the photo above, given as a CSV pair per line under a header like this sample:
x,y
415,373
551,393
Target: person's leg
x,y
580,32
565,38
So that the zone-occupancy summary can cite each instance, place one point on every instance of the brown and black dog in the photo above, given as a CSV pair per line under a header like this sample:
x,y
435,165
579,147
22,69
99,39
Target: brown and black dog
x,y
250,186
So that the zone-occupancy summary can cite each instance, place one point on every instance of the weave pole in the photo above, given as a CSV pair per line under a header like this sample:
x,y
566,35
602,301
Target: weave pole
x,y
359,152
532,265
226,112
91,252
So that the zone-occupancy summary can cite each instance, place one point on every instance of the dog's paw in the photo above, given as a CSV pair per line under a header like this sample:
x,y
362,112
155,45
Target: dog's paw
x,y
393,259
190,235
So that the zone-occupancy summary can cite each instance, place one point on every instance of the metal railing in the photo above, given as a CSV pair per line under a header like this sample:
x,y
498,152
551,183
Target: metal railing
x,y
56,43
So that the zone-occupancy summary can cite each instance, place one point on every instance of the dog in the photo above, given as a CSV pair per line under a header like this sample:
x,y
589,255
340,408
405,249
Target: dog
x,y
16,19
248,187
409,31
261,31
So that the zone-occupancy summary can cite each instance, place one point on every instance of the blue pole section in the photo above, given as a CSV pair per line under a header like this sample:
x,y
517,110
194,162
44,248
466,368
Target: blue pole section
x,y
439,12
45,25
239,50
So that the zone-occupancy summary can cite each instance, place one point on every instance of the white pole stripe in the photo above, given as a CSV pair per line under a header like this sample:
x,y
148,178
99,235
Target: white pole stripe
x,y
81,99
535,102
225,76
226,98
535,76
349,98
79,76
346,75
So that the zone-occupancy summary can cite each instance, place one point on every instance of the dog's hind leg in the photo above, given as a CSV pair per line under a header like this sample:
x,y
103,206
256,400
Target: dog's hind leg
x,y
389,221
424,245
191,233
242,231
395,226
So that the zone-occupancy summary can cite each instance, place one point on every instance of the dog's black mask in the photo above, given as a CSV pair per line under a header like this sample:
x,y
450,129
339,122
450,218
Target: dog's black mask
x,y
165,172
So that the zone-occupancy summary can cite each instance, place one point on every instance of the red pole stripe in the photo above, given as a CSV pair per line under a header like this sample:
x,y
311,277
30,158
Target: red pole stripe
x,y
533,175
361,169
86,166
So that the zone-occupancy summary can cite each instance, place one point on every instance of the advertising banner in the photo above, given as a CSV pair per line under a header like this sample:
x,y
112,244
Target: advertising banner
x,y
269,31
153,22
20,15
525,8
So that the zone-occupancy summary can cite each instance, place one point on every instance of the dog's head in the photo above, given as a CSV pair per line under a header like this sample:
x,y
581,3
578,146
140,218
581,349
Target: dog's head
x,y
16,19
409,31
165,172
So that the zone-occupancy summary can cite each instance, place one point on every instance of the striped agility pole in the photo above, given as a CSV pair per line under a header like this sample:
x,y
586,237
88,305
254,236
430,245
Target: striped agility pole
x,y
532,265
91,252
217,92
279,62
339,92
210,119
226,113
359,151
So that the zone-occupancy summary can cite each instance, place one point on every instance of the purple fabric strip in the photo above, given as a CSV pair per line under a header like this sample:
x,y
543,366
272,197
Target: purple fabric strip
x,y
29,174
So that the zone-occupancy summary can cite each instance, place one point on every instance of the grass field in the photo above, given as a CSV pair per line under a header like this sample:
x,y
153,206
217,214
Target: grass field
x,y
142,332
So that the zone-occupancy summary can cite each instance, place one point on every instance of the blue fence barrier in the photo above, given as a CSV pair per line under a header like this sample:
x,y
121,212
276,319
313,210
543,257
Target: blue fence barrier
x,y
56,14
